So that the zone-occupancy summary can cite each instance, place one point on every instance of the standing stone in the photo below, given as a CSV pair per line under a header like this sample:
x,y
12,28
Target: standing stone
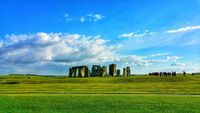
x,y
87,72
96,70
70,72
82,71
113,70
128,71
74,72
79,71
124,72
104,71
118,72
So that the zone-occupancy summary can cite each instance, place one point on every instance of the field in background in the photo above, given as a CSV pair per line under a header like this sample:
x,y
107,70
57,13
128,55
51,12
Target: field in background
x,y
139,94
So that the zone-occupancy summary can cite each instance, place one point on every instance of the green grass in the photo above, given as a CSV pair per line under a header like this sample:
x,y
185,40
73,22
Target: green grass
x,y
99,104
136,94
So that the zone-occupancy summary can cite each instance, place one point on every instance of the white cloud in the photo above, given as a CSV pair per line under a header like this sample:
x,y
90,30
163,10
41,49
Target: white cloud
x,y
180,64
96,17
136,35
132,35
129,60
171,58
82,19
145,64
85,18
184,29
188,67
160,54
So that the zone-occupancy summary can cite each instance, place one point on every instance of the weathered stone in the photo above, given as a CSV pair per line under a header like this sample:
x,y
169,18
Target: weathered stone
x,y
70,72
96,70
124,71
74,72
118,72
82,71
87,72
128,71
113,70
104,71
79,71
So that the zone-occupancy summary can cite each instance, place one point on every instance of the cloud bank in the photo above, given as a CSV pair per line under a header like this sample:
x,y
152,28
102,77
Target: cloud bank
x,y
54,53
52,48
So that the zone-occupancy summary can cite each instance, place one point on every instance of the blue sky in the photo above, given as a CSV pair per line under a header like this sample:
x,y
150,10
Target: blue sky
x,y
47,37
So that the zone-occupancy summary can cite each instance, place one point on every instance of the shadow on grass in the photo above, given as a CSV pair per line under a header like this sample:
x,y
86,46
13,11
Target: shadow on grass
x,y
11,82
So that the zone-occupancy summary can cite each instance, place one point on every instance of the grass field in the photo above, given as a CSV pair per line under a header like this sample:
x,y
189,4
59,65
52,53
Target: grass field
x,y
138,94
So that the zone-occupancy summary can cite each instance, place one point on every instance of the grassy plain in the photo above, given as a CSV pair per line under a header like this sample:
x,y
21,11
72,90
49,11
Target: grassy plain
x,y
138,94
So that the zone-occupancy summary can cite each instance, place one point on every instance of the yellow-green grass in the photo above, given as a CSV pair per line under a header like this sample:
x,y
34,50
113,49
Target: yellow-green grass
x,y
99,85
138,94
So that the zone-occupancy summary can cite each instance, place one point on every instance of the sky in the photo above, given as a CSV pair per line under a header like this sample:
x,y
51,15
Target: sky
x,y
48,37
